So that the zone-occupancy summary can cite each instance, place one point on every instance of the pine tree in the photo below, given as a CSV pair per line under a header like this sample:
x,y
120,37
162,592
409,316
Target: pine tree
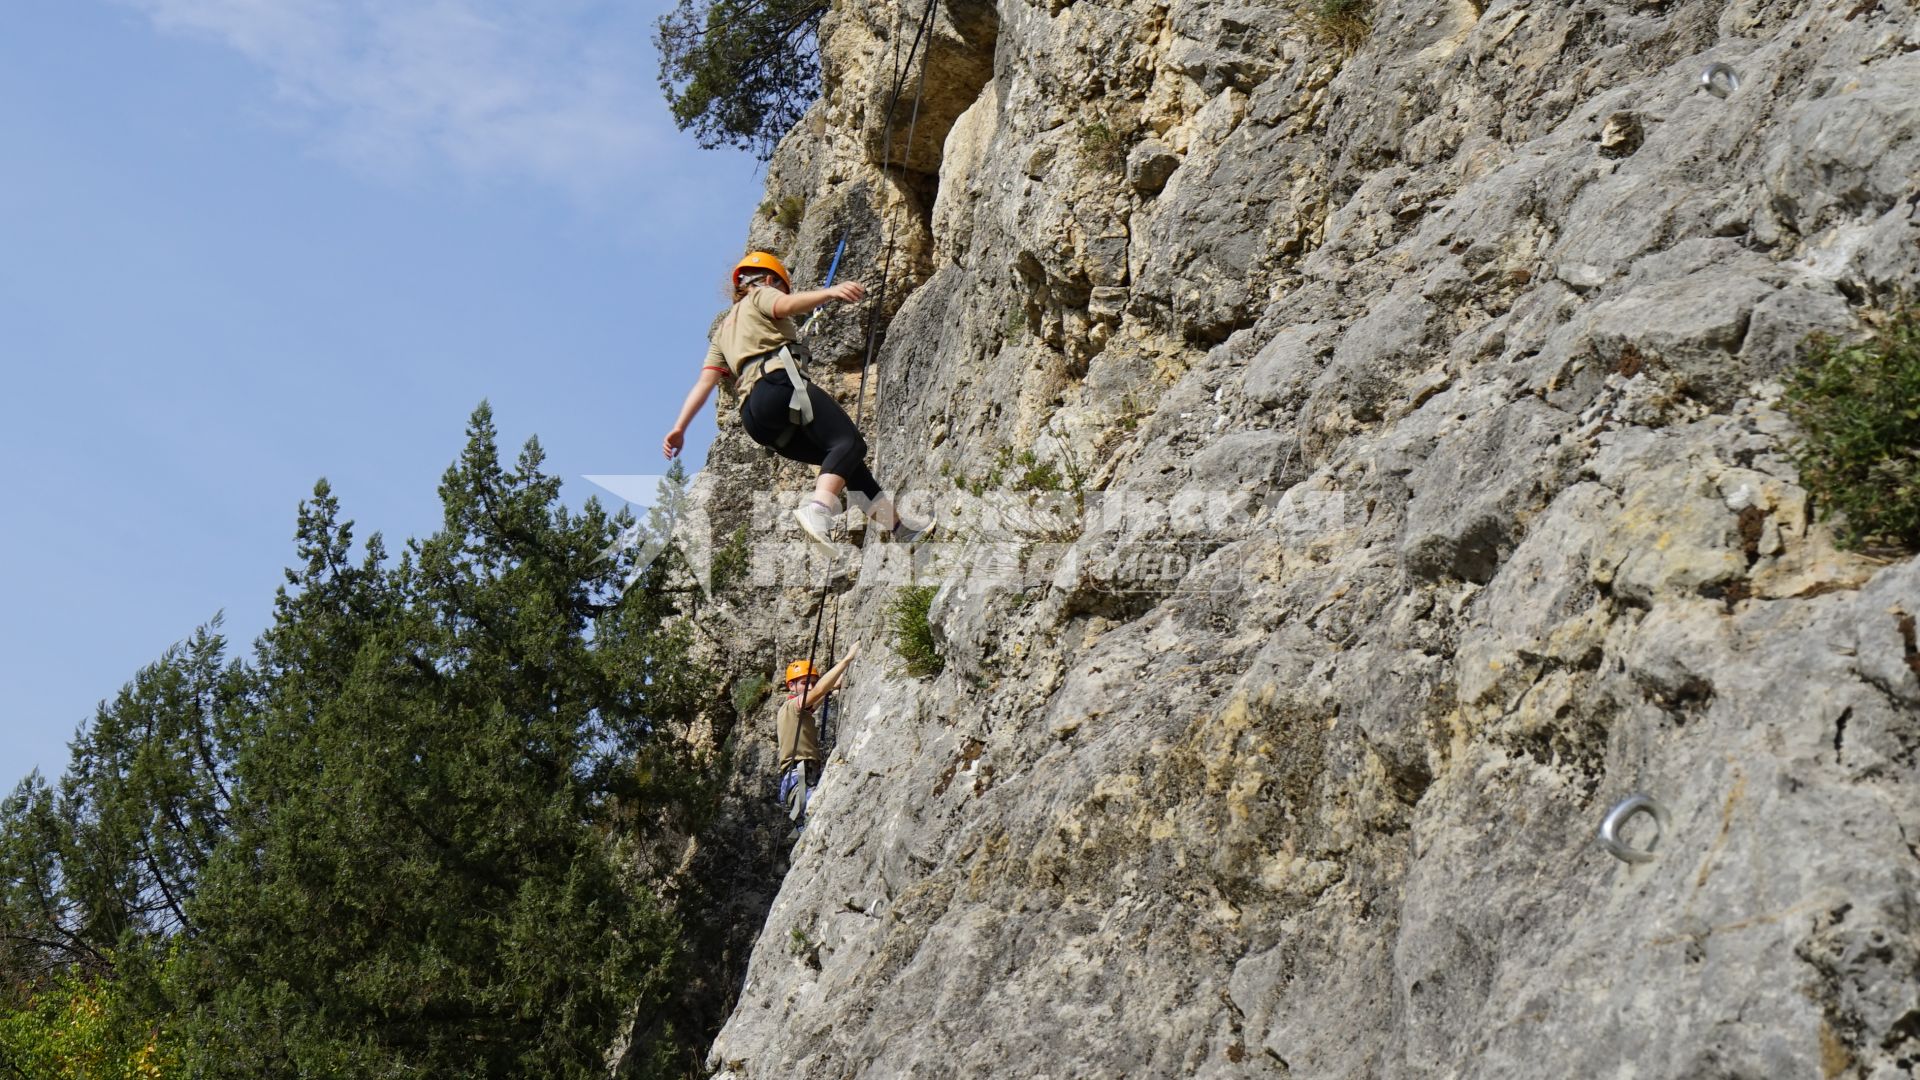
x,y
418,884
96,875
405,840
740,73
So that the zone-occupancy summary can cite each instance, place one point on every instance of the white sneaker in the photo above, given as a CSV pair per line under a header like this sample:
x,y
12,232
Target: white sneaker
x,y
908,533
815,522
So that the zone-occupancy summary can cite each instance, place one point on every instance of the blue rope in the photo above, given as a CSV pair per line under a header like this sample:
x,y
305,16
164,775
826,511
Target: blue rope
x,y
832,269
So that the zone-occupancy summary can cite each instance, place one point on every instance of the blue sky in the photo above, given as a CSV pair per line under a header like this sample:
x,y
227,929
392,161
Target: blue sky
x,y
245,244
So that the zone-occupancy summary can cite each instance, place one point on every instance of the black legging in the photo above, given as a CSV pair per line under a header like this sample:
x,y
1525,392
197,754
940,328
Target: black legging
x,y
830,442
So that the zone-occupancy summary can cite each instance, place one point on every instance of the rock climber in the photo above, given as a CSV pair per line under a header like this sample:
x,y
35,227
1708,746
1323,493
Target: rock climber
x,y
799,731
757,350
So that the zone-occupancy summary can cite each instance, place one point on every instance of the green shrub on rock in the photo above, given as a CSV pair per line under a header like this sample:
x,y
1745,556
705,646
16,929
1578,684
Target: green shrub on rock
x,y
1343,24
1857,404
912,634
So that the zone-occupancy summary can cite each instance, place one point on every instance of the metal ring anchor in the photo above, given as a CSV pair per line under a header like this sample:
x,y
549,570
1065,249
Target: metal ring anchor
x,y
1719,79
1610,828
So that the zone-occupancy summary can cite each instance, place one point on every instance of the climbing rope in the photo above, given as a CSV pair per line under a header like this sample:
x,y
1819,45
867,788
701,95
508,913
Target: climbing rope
x,y
833,268
826,714
886,260
900,73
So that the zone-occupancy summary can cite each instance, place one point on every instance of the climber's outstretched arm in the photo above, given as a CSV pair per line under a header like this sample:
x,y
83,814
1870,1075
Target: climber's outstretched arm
x,y
831,679
787,305
696,400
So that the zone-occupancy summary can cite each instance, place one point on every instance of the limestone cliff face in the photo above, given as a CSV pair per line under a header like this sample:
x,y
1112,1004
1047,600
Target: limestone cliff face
x,y
1436,382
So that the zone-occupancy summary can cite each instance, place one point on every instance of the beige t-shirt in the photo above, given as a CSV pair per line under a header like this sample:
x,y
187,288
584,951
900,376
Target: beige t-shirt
x,y
747,330
798,733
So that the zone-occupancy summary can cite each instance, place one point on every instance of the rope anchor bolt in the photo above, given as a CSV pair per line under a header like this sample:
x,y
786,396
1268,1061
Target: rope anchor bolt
x,y
1609,836
1719,79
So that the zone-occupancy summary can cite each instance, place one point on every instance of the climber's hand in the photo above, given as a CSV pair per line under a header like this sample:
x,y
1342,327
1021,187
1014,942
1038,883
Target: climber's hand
x,y
673,442
847,291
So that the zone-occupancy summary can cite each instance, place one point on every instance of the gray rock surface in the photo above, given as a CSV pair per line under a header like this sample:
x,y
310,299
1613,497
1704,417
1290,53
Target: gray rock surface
x,y
1438,384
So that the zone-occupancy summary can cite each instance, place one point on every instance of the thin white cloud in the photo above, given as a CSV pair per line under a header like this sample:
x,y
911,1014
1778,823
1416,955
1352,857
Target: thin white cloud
x,y
559,92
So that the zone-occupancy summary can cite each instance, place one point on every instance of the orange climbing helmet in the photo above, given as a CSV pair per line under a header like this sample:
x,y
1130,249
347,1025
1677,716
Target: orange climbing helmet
x,y
800,669
761,260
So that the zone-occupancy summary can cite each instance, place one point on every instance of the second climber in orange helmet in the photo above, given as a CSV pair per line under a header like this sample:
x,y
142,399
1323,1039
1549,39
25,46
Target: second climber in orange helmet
x,y
796,727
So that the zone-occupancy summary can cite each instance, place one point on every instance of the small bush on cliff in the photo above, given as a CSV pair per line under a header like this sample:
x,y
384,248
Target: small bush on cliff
x,y
1858,407
1341,23
1037,475
739,72
1102,145
913,635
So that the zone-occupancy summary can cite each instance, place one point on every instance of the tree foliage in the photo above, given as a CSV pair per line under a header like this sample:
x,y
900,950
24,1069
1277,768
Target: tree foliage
x,y
76,1028
740,73
401,841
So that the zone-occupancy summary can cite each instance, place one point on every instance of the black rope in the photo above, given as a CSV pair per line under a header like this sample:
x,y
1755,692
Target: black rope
x,y
913,123
880,293
826,715
886,260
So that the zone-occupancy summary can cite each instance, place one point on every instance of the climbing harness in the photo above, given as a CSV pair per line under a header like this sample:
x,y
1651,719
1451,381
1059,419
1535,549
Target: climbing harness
x,y
789,358
1719,79
1609,836
796,787
793,357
